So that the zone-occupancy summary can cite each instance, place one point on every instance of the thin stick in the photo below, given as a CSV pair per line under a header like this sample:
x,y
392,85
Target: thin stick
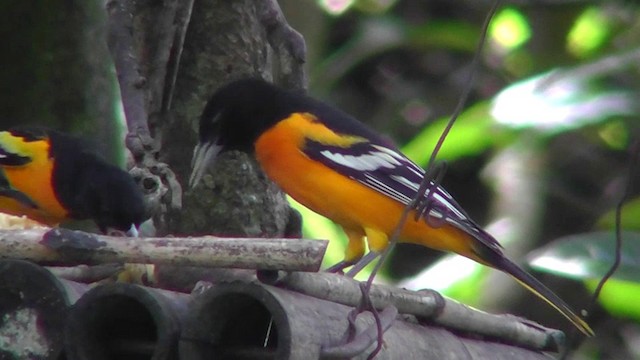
x,y
67,247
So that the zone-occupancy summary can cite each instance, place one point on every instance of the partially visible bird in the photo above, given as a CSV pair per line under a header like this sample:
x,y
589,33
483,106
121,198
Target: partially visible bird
x,y
52,177
339,168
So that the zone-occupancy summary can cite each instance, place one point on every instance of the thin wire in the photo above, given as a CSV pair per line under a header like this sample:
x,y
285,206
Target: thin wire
x,y
633,161
635,153
427,179
426,182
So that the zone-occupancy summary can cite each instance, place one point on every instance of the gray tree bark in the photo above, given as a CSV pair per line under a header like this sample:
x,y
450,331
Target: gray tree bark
x,y
225,41
170,58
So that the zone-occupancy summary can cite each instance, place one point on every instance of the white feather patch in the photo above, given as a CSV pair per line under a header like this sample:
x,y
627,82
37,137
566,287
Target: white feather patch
x,y
366,162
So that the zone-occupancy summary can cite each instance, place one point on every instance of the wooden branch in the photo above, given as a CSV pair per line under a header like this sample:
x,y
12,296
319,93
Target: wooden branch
x,y
145,41
67,247
181,23
287,44
346,291
132,82
427,305
227,40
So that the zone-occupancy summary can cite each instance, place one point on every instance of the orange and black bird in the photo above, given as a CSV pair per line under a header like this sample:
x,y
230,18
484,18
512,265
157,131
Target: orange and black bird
x,y
338,167
51,177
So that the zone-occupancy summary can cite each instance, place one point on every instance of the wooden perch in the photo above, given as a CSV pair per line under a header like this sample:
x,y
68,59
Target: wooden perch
x,y
285,324
124,321
428,305
33,309
68,247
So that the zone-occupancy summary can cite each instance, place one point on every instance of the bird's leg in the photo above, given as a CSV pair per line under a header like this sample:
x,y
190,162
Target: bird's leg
x,y
377,241
354,251
339,267
356,247
364,261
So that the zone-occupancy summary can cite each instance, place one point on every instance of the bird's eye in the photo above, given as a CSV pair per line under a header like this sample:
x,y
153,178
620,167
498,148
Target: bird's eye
x,y
215,118
210,127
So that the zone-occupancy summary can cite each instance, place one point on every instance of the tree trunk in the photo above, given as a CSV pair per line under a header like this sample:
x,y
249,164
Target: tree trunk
x,y
225,40
56,70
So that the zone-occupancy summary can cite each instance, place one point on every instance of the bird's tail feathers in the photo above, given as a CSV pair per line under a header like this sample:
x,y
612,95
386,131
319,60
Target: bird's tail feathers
x,y
540,290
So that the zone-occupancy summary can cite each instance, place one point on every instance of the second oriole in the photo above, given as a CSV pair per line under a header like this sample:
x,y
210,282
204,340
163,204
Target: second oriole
x,y
339,168
51,177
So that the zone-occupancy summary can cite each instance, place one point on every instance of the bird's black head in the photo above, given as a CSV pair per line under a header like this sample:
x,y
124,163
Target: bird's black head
x,y
235,117
240,111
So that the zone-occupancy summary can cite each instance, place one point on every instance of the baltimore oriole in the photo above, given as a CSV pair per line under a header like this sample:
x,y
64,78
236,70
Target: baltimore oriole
x,y
52,177
339,168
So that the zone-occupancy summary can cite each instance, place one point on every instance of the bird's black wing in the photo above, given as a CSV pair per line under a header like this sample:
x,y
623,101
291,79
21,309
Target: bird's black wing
x,y
389,172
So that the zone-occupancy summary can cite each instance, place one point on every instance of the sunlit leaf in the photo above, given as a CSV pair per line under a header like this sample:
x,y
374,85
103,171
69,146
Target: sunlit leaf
x,y
589,32
473,133
630,219
619,297
589,256
615,134
454,276
558,101
509,28
335,7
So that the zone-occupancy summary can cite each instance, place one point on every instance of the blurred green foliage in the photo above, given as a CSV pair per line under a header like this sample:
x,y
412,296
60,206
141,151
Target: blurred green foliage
x,y
590,255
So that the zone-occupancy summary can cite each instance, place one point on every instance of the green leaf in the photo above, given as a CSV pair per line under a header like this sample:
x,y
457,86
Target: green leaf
x,y
510,28
630,219
590,32
589,256
619,298
454,35
472,133
454,276
558,101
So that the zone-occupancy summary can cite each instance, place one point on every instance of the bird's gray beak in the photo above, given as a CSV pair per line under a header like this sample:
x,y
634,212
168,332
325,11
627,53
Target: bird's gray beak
x,y
203,156
133,231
